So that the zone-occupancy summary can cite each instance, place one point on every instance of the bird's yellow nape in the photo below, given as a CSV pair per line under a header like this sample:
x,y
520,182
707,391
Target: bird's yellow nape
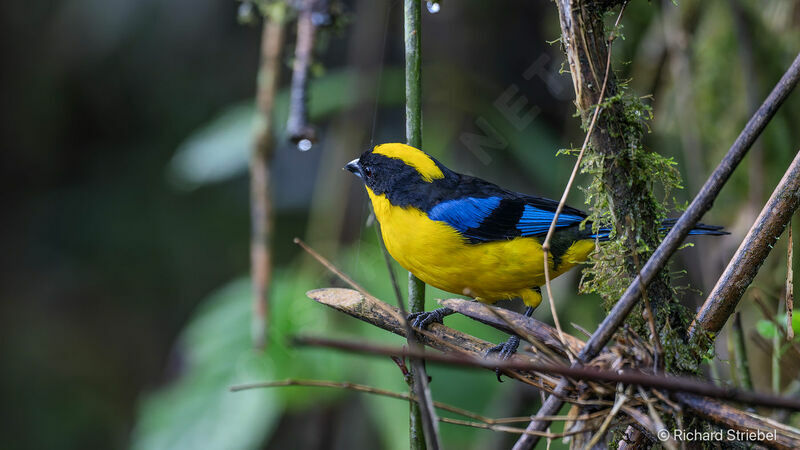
x,y
413,157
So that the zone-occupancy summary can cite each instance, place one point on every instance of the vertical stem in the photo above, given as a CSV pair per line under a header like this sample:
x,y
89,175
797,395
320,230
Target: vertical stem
x,y
260,192
416,294
413,74
297,126
714,371
776,357
789,283
741,364
416,288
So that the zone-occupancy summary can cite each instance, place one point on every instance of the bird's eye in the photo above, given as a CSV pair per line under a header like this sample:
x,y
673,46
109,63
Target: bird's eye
x,y
367,171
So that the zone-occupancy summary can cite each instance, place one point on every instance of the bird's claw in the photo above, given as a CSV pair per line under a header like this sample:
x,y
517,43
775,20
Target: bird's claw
x,y
422,319
504,352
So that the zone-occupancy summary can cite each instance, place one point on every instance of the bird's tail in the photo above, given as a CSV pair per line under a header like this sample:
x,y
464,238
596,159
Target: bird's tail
x,y
713,230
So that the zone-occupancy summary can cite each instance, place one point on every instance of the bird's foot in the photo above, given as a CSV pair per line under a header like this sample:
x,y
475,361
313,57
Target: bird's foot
x,y
423,319
504,352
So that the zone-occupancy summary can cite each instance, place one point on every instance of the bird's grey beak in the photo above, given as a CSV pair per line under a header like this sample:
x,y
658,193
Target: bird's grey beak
x,y
353,166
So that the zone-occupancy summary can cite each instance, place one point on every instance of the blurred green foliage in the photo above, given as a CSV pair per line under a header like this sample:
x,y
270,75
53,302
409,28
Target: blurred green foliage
x,y
127,312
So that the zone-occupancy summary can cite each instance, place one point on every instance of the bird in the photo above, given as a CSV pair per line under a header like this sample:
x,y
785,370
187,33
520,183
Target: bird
x,y
463,234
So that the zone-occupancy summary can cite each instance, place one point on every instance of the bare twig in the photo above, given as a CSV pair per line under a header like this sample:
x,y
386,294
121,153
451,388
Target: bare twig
x,y
741,366
622,397
500,318
701,203
370,390
300,132
568,187
776,357
260,191
328,265
669,383
649,425
651,411
755,247
658,350
785,437
437,336
789,283
515,430
486,422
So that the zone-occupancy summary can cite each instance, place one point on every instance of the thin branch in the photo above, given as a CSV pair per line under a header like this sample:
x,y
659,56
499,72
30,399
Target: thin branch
x,y
784,437
658,350
622,397
776,358
367,308
651,411
701,203
741,366
568,187
515,430
486,422
436,336
328,265
628,377
500,318
299,131
649,425
260,190
752,252
369,390
789,283
423,410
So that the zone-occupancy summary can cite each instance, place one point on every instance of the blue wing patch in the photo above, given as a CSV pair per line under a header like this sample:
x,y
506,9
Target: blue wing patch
x,y
535,221
463,214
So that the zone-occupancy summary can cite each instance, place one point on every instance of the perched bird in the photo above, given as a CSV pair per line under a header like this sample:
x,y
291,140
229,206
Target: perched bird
x,y
463,234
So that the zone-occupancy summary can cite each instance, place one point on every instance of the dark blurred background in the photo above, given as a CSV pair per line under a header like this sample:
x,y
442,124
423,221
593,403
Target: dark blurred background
x,y
126,130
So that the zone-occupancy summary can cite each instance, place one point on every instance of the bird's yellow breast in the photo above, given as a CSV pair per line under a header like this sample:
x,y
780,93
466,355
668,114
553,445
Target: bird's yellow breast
x,y
438,255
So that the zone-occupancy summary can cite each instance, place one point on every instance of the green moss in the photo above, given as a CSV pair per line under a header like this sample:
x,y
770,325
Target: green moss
x,y
648,180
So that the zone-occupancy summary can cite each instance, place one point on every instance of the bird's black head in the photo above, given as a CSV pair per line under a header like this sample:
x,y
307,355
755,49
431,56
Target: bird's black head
x,y
393,169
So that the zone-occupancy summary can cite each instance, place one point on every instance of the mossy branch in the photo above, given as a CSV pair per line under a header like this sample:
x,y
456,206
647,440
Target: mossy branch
x,y
574,34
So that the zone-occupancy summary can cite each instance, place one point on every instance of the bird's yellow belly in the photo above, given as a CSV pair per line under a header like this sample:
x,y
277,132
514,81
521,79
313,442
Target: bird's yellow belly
x,y
438,255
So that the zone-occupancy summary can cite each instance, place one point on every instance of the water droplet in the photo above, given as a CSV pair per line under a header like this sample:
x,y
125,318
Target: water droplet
x,y
434,7
304,145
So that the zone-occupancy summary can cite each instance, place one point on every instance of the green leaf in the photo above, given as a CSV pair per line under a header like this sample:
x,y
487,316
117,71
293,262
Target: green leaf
x,y
196,410
220,149
766,328
216,152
